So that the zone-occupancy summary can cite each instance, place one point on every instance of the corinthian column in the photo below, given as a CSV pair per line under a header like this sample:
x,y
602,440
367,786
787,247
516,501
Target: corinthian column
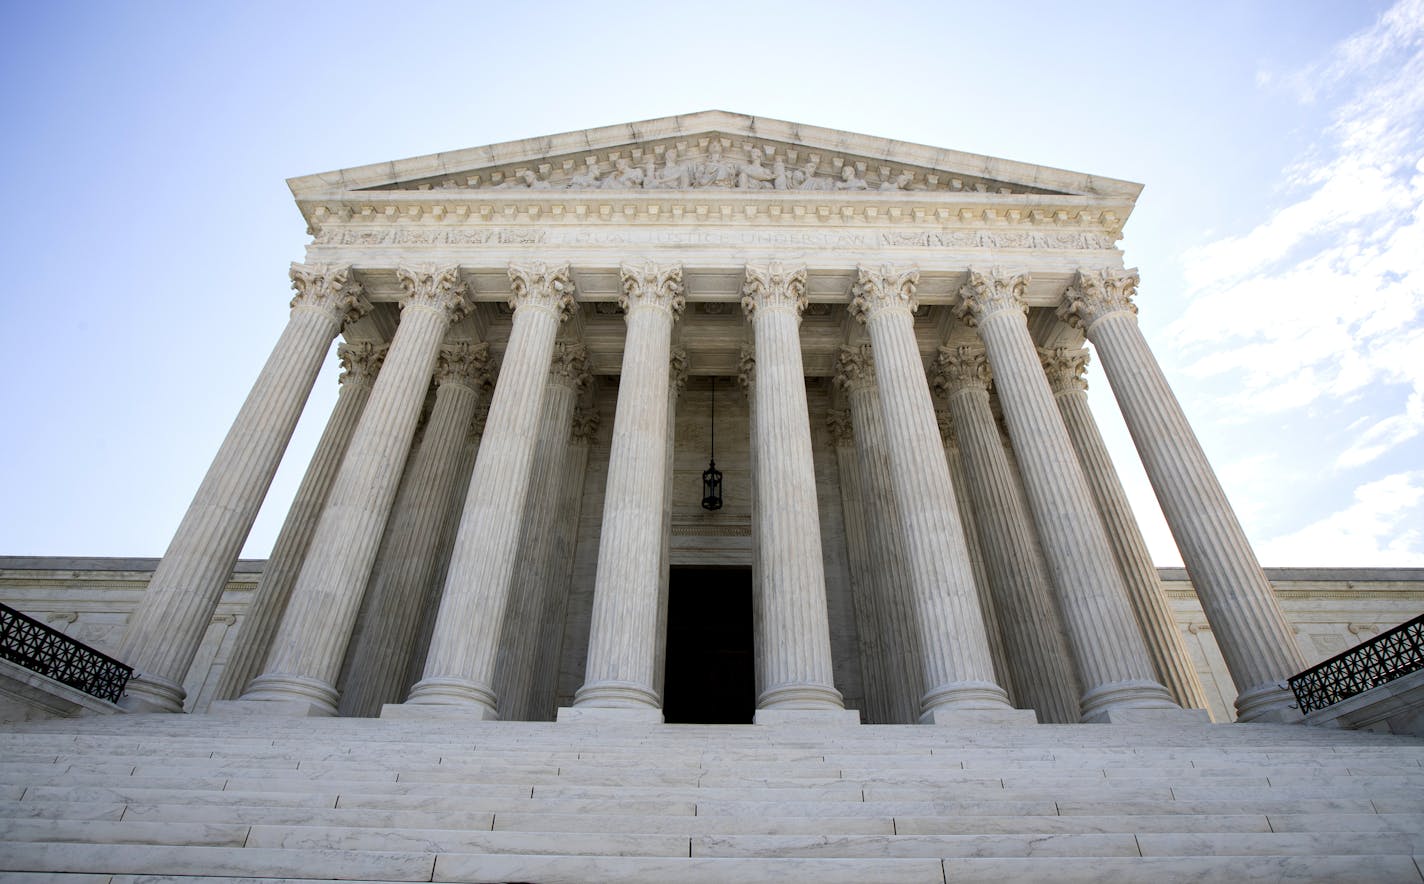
x,y
165,630
1040,667
1113,667
459,668
534,576
306,656
795,629
958,674
254,638
862,571
407,554
891,588
1255,639
623,630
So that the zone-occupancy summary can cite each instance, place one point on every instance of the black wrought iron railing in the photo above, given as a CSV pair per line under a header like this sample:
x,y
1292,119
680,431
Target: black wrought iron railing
x,y
38,648
1382,659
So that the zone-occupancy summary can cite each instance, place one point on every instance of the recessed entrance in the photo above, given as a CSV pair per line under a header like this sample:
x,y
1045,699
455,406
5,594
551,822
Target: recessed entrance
x,y
710,676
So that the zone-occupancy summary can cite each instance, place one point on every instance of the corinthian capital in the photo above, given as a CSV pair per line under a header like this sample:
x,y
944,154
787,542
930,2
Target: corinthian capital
x,y
1065,369
539,285
855,368
882,288
649,284
569,365
838,421
436,288
360,362
960,368
990,293
464,364
774,286
1097,293
329,289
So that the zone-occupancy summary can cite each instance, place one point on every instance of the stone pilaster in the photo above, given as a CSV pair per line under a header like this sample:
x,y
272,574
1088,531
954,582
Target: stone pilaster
x,y
1042,672
892,587
459,667
165,630
796,649
534,576
1003,674
254,637
1114,670
862,571
311,642
1255,639
623,632
958,674
561,558
406,561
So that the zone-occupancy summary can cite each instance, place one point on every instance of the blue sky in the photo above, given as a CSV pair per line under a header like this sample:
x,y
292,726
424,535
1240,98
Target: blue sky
x,y
147,226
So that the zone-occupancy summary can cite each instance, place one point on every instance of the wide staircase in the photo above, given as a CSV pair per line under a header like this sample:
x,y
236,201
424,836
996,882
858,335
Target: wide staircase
x,y
175,798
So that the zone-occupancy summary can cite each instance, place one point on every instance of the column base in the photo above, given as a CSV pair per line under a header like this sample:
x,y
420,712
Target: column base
x,y
802,696
150,693
958,716
462,712
1119,700
817,717
291,692
609,715
278,708
460,692
609,694
1268,703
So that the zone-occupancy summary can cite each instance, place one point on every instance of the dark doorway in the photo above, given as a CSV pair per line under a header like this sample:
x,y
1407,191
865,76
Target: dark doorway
x,y
710,678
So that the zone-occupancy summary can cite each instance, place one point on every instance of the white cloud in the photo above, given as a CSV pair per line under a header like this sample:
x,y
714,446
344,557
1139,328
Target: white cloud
x,y
1383,523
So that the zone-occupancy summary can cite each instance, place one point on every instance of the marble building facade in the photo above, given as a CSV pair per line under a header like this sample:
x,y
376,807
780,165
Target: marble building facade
x,y
503,517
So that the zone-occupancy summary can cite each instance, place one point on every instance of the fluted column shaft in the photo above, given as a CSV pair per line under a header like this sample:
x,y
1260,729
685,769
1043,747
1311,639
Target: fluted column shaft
x,y
1023,592
549,661
311,642
892,585
274,589
459,667
1003,674
958,669
407,558
534,574
165,630
623,630
1114,670
1255,639
1170,658
862,572
796,646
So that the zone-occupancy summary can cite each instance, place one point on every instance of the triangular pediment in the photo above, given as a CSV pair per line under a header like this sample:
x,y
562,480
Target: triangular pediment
x,y
713,151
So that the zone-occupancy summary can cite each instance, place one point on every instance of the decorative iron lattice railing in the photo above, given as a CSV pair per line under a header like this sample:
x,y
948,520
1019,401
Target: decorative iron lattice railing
x,y
1382,659
38,648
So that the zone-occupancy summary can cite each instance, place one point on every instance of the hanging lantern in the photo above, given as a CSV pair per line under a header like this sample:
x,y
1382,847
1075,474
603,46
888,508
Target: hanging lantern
x,y
712,477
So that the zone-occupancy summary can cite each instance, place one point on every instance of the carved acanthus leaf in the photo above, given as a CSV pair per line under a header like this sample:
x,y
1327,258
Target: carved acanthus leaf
x,y
437,288
855,368
464,363
960,368
537,284
1097,293
838,421
990,293
569,365
1065,368
647,283
329,288
360,362
774,286
886,287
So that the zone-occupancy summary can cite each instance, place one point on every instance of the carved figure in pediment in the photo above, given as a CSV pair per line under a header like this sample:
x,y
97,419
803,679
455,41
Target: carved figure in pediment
x,y
674,175
850,180
715,170
753,175
525,180
899,182
625,176
587,180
